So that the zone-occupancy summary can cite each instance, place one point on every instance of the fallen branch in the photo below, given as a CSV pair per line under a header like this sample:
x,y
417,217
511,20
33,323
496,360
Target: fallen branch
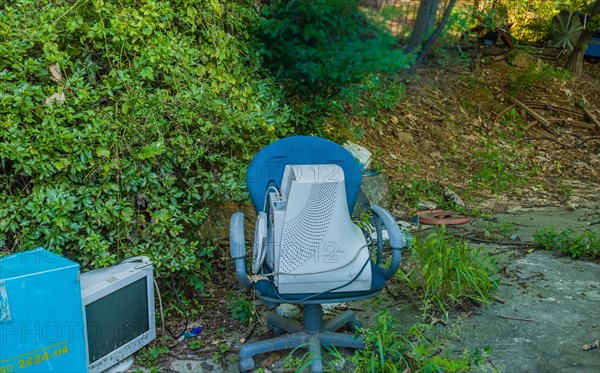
x,y
248,335
500,243
501,251
546,138
531,124
504,111
571,121
435,320
586,140
552,57
515,318
498,299
592,118
542,105
560,143
545,124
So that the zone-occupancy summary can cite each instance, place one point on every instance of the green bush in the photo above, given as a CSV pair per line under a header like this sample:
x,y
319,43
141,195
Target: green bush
x,y
336,63
532,19
324,45
121,122
339,116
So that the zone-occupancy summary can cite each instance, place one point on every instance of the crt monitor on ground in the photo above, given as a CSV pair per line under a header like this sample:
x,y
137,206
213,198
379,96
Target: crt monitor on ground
x,y
119,311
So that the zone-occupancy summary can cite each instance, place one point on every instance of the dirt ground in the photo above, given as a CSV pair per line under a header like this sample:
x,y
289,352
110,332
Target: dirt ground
x,y
449,111
446,116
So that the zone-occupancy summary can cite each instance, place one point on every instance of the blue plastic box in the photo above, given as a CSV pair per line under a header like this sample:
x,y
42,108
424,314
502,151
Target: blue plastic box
x,y
42,327
593,49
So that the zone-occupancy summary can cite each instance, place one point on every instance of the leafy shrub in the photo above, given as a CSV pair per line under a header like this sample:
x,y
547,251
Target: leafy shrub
x,y
338,116
122,122
449,271
241,308
531,20
336,63
325,44
570,242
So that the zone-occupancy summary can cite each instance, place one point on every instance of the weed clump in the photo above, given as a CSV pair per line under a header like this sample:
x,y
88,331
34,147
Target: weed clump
x,y
449,271
418,349
241,308
576,244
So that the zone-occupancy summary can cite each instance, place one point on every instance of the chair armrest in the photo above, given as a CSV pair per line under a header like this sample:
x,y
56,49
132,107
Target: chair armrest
x,y
396,238
237,248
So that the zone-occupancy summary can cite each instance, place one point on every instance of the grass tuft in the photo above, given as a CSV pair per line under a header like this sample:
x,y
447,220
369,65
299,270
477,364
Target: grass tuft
x,y
449,271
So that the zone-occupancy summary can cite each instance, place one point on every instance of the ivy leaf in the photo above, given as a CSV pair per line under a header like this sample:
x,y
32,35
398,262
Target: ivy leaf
x,y
217,6
102,152
152,150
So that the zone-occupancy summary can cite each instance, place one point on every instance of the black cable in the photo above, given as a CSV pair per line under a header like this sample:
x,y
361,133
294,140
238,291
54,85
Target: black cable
x,y
181,306
326,291
323,292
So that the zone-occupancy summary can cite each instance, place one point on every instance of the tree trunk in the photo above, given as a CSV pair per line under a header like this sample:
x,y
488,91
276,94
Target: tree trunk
x,y
425,19
436,34
575,62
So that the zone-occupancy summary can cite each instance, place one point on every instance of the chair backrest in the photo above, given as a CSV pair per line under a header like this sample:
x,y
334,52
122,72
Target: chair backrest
x,y
267,166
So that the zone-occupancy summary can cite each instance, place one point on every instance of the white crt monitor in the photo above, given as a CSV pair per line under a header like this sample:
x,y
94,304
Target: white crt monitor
x,y
315,246
118,306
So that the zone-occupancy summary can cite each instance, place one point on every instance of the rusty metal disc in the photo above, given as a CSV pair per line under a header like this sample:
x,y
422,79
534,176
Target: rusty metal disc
x,y
441,217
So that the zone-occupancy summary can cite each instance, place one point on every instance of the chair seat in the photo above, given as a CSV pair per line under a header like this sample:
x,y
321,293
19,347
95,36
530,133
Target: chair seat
x,y
266,289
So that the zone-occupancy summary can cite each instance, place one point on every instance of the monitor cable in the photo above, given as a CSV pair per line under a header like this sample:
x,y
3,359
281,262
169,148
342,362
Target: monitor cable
x,y
145,262
312,296
181,306
160,306
351,261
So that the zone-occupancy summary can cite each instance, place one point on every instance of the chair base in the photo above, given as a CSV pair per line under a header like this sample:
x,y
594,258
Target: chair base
x,y
310,336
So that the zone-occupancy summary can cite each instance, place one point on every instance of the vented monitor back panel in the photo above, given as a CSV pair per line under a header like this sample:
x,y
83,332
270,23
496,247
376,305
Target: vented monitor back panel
x,y
320,247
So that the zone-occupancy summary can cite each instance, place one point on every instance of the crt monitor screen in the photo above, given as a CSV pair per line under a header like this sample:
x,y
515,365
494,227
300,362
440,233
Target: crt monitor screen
x,y
116,319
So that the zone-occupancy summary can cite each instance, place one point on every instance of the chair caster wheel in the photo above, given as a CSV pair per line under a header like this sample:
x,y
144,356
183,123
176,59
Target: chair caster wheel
x,y
272,326
246,364
276,330
354,325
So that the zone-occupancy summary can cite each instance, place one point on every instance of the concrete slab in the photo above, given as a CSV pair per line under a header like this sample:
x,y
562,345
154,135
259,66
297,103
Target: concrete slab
x,y
558,302
196,366
528,221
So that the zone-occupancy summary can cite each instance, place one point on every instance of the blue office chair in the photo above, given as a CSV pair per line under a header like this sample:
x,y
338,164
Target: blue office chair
x,y
266,173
